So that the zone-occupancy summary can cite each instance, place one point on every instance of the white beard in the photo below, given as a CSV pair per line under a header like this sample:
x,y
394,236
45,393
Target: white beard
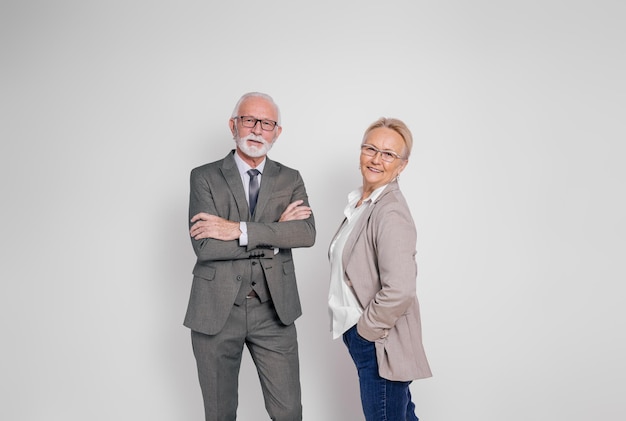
x,y
253,151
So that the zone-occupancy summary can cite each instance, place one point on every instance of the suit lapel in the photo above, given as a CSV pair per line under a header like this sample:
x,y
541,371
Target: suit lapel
x,y
233,179
268,181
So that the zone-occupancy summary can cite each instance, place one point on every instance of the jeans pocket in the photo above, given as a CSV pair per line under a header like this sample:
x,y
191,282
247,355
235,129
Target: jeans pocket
x,y
360,338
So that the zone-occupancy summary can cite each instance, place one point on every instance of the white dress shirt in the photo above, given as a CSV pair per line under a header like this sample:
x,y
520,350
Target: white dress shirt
x,y
243,168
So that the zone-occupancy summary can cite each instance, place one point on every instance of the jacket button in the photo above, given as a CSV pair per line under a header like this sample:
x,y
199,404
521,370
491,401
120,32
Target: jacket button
x,y
253,283
254,262
239,277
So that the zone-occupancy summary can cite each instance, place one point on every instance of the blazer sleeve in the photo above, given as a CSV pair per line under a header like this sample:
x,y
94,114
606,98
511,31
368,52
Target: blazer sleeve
x,y
202,199
288,234
393,237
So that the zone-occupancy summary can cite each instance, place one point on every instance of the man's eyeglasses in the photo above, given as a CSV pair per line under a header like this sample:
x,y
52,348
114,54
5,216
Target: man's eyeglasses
x,y
250,122
387,156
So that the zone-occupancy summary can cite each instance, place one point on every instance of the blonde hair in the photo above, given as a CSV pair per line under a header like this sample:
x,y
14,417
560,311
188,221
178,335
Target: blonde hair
x,y
397,126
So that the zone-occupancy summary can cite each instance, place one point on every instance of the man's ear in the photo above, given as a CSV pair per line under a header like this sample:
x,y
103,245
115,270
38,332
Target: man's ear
x,y
278,132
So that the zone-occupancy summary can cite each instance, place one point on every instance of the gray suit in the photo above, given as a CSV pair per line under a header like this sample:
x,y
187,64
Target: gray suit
x,y
379,263
224,267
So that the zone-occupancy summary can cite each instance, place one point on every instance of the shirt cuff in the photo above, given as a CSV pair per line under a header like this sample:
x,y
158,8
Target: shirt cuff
x,y
243,237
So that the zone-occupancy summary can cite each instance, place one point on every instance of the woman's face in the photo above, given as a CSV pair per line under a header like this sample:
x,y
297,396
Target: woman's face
x,y
375,170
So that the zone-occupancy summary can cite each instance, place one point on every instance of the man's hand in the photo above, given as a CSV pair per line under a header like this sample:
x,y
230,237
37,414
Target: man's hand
x,y
211,226
295,211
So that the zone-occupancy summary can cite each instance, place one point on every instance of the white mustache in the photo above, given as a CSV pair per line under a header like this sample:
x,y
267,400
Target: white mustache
x,y
255,138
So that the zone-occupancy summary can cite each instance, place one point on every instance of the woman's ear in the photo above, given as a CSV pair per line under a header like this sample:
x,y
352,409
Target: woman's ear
x,y
402,166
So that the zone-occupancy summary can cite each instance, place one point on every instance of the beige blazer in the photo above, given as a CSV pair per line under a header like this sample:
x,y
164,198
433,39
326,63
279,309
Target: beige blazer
x,y
379,262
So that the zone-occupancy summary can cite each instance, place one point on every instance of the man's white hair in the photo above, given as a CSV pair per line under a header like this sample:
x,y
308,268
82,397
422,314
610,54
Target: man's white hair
x,y
257,95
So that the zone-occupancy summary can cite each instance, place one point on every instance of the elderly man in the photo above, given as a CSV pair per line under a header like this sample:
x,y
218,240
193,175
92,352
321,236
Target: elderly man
x,y
246,214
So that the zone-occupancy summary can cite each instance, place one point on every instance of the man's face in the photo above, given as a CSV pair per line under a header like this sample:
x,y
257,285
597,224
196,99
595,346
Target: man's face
x,y
255,141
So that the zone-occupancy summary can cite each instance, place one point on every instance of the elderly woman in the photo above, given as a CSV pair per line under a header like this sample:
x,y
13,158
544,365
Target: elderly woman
x,y
372,299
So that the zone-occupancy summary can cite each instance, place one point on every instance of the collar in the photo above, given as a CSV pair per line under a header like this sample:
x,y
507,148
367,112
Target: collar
x,y
243,167
355,195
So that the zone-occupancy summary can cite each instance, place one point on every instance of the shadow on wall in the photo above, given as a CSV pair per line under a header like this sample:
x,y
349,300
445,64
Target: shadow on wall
x,y
175,261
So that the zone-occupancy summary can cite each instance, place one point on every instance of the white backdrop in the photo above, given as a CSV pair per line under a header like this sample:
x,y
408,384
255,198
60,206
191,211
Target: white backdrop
x,y
516,185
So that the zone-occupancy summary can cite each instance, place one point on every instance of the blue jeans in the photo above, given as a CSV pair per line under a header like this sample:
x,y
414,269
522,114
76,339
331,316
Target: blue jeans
x,y
382,399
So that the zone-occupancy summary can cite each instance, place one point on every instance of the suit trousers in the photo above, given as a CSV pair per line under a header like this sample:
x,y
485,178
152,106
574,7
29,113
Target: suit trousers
x,y
274,350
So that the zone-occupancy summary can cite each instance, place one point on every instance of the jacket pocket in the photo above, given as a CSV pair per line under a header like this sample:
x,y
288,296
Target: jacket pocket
x,y
288,267
204,272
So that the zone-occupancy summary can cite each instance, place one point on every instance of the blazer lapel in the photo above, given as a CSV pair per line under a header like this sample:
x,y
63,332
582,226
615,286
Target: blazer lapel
x,y
355,235
359,228
233,179
268,181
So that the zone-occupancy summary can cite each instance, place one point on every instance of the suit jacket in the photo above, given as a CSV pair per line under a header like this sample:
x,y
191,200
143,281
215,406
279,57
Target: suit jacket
x,y
216,188
379,263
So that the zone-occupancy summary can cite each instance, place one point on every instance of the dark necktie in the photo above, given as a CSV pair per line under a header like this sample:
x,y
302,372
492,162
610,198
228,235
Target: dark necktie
x,y
254,189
